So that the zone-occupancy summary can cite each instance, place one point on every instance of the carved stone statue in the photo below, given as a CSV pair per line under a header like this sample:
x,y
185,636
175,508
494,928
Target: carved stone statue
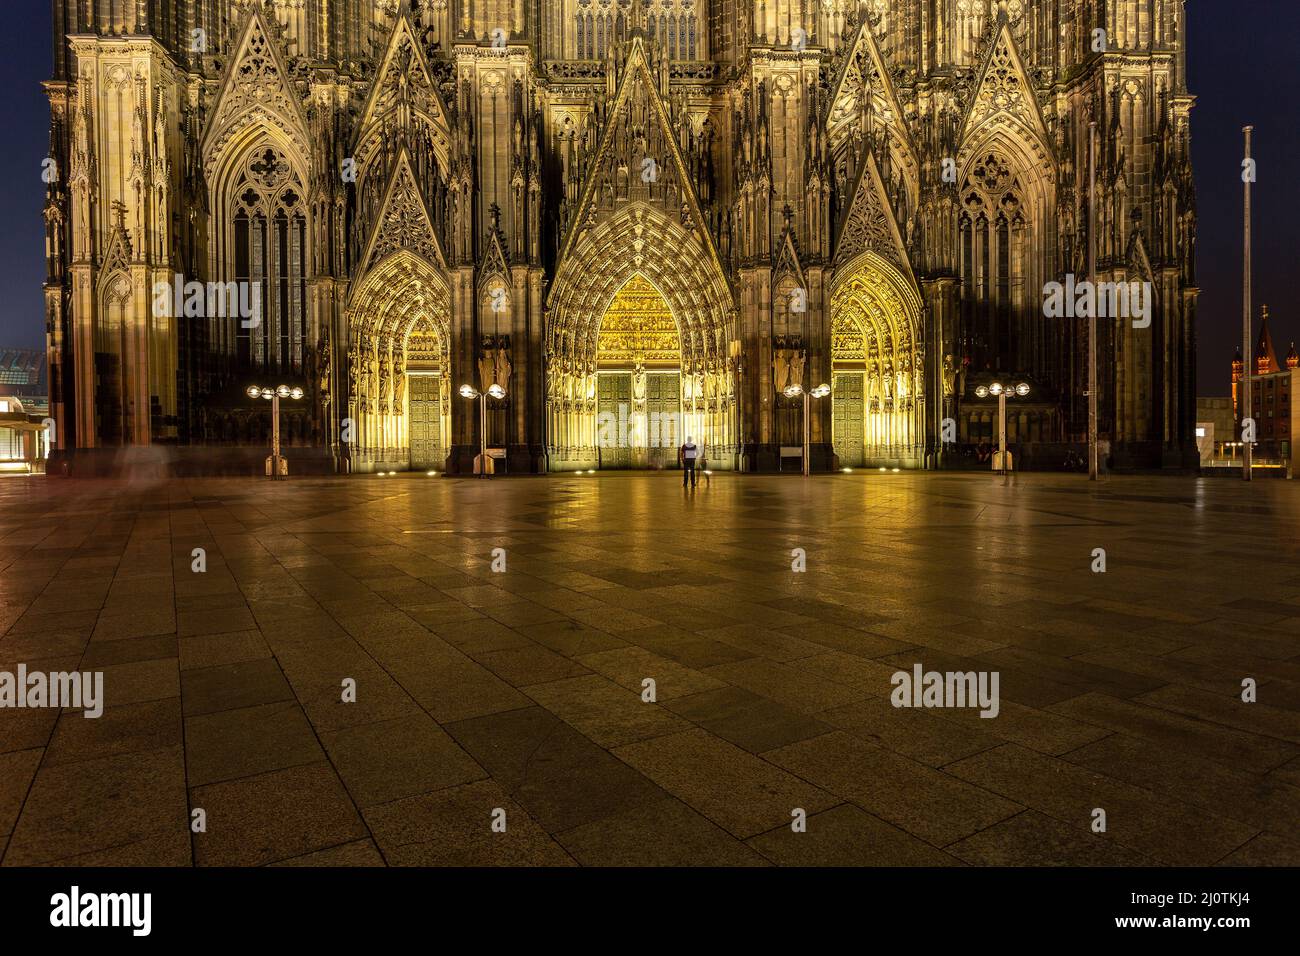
x,y
949,376
385,372
781,369
638,383
502,367
797,362
323,372
354,372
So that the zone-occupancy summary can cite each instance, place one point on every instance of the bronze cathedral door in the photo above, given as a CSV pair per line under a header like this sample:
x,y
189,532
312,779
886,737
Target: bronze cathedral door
x,y
425,423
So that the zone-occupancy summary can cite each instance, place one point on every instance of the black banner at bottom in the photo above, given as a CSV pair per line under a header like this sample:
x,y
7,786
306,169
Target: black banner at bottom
x,y
334,906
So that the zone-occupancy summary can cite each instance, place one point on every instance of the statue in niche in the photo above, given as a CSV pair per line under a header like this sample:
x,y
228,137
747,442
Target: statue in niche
x,y
384,379
502,367
54,228
354,372
638,383
797,363
949,376
486,369
399,385
323,372
781,368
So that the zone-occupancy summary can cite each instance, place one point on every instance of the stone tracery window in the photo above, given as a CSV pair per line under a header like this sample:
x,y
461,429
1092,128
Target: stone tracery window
x,y
672,24
269,251
992,230
971,18
600,24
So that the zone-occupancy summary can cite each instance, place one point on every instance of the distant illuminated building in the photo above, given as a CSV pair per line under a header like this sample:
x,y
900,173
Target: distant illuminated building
x,y
1273,397
24,410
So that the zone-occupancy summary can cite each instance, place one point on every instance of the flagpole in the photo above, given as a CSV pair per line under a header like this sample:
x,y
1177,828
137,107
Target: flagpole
x,y
1247,352
1092,314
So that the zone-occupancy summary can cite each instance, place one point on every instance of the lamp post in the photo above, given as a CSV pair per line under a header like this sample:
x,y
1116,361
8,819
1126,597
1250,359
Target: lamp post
x,y
1002,391
273,395
794,391
497,392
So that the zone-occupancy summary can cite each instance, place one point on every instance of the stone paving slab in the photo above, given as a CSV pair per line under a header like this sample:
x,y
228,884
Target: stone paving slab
x,y
649,682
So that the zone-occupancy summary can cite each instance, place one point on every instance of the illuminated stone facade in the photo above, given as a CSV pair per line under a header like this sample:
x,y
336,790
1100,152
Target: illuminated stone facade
x,y
430,193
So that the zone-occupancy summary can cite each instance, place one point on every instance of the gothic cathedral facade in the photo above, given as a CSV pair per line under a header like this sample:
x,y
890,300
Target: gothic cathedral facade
x,y
633,220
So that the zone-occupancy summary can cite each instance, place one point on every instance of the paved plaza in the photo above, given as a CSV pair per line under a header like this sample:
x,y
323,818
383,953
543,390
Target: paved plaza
x,y
519,694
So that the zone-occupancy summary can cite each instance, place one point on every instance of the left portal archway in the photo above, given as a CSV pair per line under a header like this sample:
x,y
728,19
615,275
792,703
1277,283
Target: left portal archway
x,y
399,355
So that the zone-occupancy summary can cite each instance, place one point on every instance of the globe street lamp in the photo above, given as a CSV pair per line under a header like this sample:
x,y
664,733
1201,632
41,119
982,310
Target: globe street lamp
x,y
275,464
794,391
1002,391
497,392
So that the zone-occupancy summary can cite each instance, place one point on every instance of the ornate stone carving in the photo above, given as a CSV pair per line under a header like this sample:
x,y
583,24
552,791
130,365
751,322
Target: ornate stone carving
x,y
404,222
256,91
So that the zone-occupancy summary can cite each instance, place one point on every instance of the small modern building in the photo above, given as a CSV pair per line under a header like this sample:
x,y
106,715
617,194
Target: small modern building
x,y
24,411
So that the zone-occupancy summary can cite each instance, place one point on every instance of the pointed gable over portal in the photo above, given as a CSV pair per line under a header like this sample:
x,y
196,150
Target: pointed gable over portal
x,y
405,91
404,222
256,92
869,225
638,159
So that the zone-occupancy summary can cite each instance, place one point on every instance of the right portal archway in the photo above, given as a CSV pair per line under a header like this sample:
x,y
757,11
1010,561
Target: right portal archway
x,y
878,366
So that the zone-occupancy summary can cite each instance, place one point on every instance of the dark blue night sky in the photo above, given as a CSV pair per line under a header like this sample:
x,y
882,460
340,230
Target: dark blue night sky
x,y
1243,69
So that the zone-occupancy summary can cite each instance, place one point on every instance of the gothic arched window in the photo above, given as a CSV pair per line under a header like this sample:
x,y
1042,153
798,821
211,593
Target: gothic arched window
x,y
269,253
991,228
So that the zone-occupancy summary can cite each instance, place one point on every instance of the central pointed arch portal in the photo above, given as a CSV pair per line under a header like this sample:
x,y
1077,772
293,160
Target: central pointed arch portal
x,y
640,325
